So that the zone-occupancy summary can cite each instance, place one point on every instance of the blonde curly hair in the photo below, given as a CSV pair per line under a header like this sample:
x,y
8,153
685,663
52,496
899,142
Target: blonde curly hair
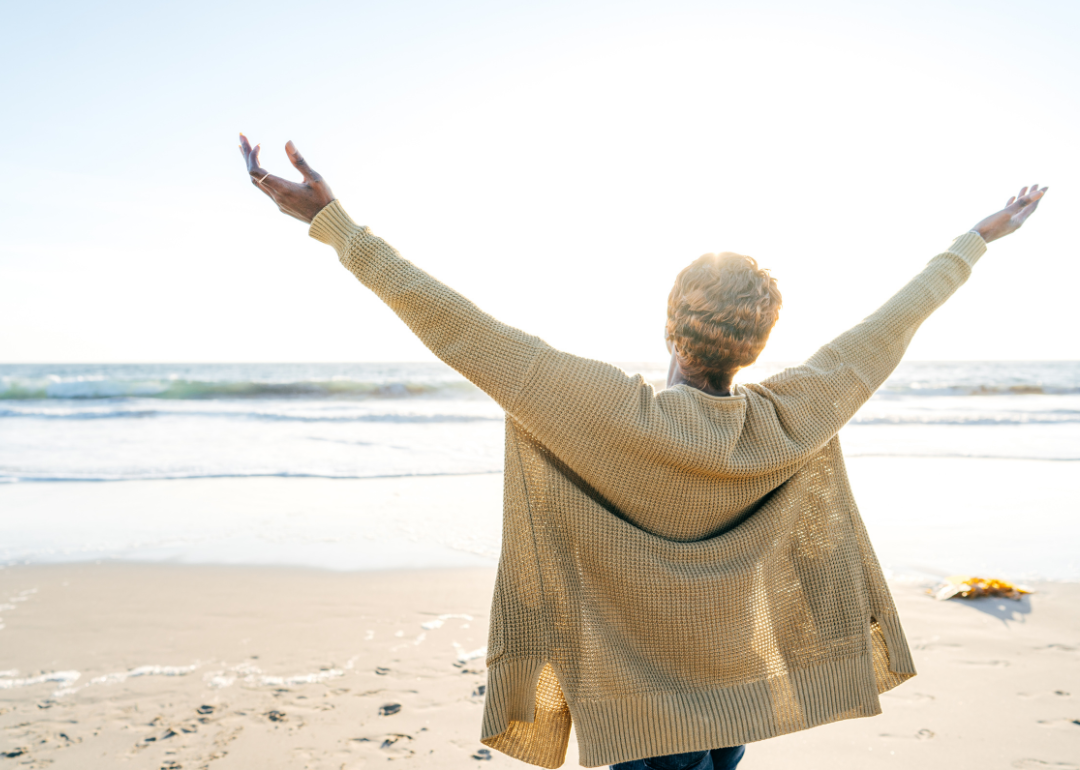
x,y
720,313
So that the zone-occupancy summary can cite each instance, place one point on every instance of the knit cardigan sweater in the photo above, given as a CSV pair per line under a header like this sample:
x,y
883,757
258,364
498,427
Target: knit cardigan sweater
x,y
679,571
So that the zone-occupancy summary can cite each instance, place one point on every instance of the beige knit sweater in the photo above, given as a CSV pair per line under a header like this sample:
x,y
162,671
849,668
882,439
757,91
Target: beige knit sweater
x,y
679,571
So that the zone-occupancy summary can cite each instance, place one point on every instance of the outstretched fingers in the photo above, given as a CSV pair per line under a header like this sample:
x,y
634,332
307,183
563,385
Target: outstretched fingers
x,y
253,162
1022,206
1030,195
1026,197
251,157
260,177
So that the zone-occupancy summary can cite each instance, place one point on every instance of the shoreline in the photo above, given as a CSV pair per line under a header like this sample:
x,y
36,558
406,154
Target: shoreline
x,y
927,518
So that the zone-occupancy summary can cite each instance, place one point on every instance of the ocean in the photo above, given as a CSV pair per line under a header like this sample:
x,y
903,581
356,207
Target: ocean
x,y
120,422
127,422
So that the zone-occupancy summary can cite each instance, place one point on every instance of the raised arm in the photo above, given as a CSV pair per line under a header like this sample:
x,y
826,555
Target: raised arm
x,y
814,400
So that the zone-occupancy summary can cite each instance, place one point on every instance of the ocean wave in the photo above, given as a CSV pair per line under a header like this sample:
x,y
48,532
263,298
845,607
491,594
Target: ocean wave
x,y
886,412
92,387
141,413
101,387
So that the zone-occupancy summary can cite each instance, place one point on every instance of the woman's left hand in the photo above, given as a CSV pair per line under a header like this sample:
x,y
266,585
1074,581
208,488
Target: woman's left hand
x,y
1010,218
303,200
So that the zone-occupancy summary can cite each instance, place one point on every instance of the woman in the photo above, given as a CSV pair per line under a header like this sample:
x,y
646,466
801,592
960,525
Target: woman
x,y
681,570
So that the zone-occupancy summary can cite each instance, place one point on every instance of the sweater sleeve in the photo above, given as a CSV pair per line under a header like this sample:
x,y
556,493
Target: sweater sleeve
x,y
494,356
814,400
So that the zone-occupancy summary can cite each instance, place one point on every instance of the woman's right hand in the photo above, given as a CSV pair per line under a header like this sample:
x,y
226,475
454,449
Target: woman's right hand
x,y
302,200
1010,218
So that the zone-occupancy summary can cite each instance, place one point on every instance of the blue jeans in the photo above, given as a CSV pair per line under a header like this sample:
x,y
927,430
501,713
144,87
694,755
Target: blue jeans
x,y
717,759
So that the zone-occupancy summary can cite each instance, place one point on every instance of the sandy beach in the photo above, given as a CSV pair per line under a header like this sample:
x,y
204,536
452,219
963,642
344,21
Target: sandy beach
x,y
177,666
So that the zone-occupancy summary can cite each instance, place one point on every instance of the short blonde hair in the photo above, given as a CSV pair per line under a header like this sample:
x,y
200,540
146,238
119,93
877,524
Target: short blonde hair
x,y
720,313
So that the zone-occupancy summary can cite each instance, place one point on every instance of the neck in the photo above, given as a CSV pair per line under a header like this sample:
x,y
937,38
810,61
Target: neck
x,y
676,377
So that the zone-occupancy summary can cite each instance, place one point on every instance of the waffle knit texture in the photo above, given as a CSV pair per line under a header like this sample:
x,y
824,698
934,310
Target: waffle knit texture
x,y
679,571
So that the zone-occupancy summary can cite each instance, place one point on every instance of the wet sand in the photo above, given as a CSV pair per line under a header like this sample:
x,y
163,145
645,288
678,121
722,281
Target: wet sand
x,y
1013,519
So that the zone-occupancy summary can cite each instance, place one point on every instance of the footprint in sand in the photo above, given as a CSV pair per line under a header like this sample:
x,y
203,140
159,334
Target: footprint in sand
x,y
994,663
1068,724
1038,764
395,744
393,739
1055,693
1058,648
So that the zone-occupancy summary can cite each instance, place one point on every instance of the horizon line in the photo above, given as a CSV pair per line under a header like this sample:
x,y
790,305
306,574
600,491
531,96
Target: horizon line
x,y
403,362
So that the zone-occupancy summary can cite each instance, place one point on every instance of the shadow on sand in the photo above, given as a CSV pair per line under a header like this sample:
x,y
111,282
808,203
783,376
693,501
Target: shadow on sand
x,y
1005,610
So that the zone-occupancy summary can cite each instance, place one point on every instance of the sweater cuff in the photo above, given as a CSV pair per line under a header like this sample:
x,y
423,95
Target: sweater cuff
x,y
333,226
969,247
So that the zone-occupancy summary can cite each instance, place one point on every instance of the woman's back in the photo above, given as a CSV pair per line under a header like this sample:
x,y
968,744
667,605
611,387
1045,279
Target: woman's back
x,y
636,595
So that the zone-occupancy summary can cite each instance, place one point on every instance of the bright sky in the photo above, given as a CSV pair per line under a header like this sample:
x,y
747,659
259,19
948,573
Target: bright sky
x,y
556,162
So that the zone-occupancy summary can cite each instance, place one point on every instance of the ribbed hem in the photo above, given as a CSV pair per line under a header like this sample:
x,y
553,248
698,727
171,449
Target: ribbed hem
x,y
969,247
636,727
333,226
